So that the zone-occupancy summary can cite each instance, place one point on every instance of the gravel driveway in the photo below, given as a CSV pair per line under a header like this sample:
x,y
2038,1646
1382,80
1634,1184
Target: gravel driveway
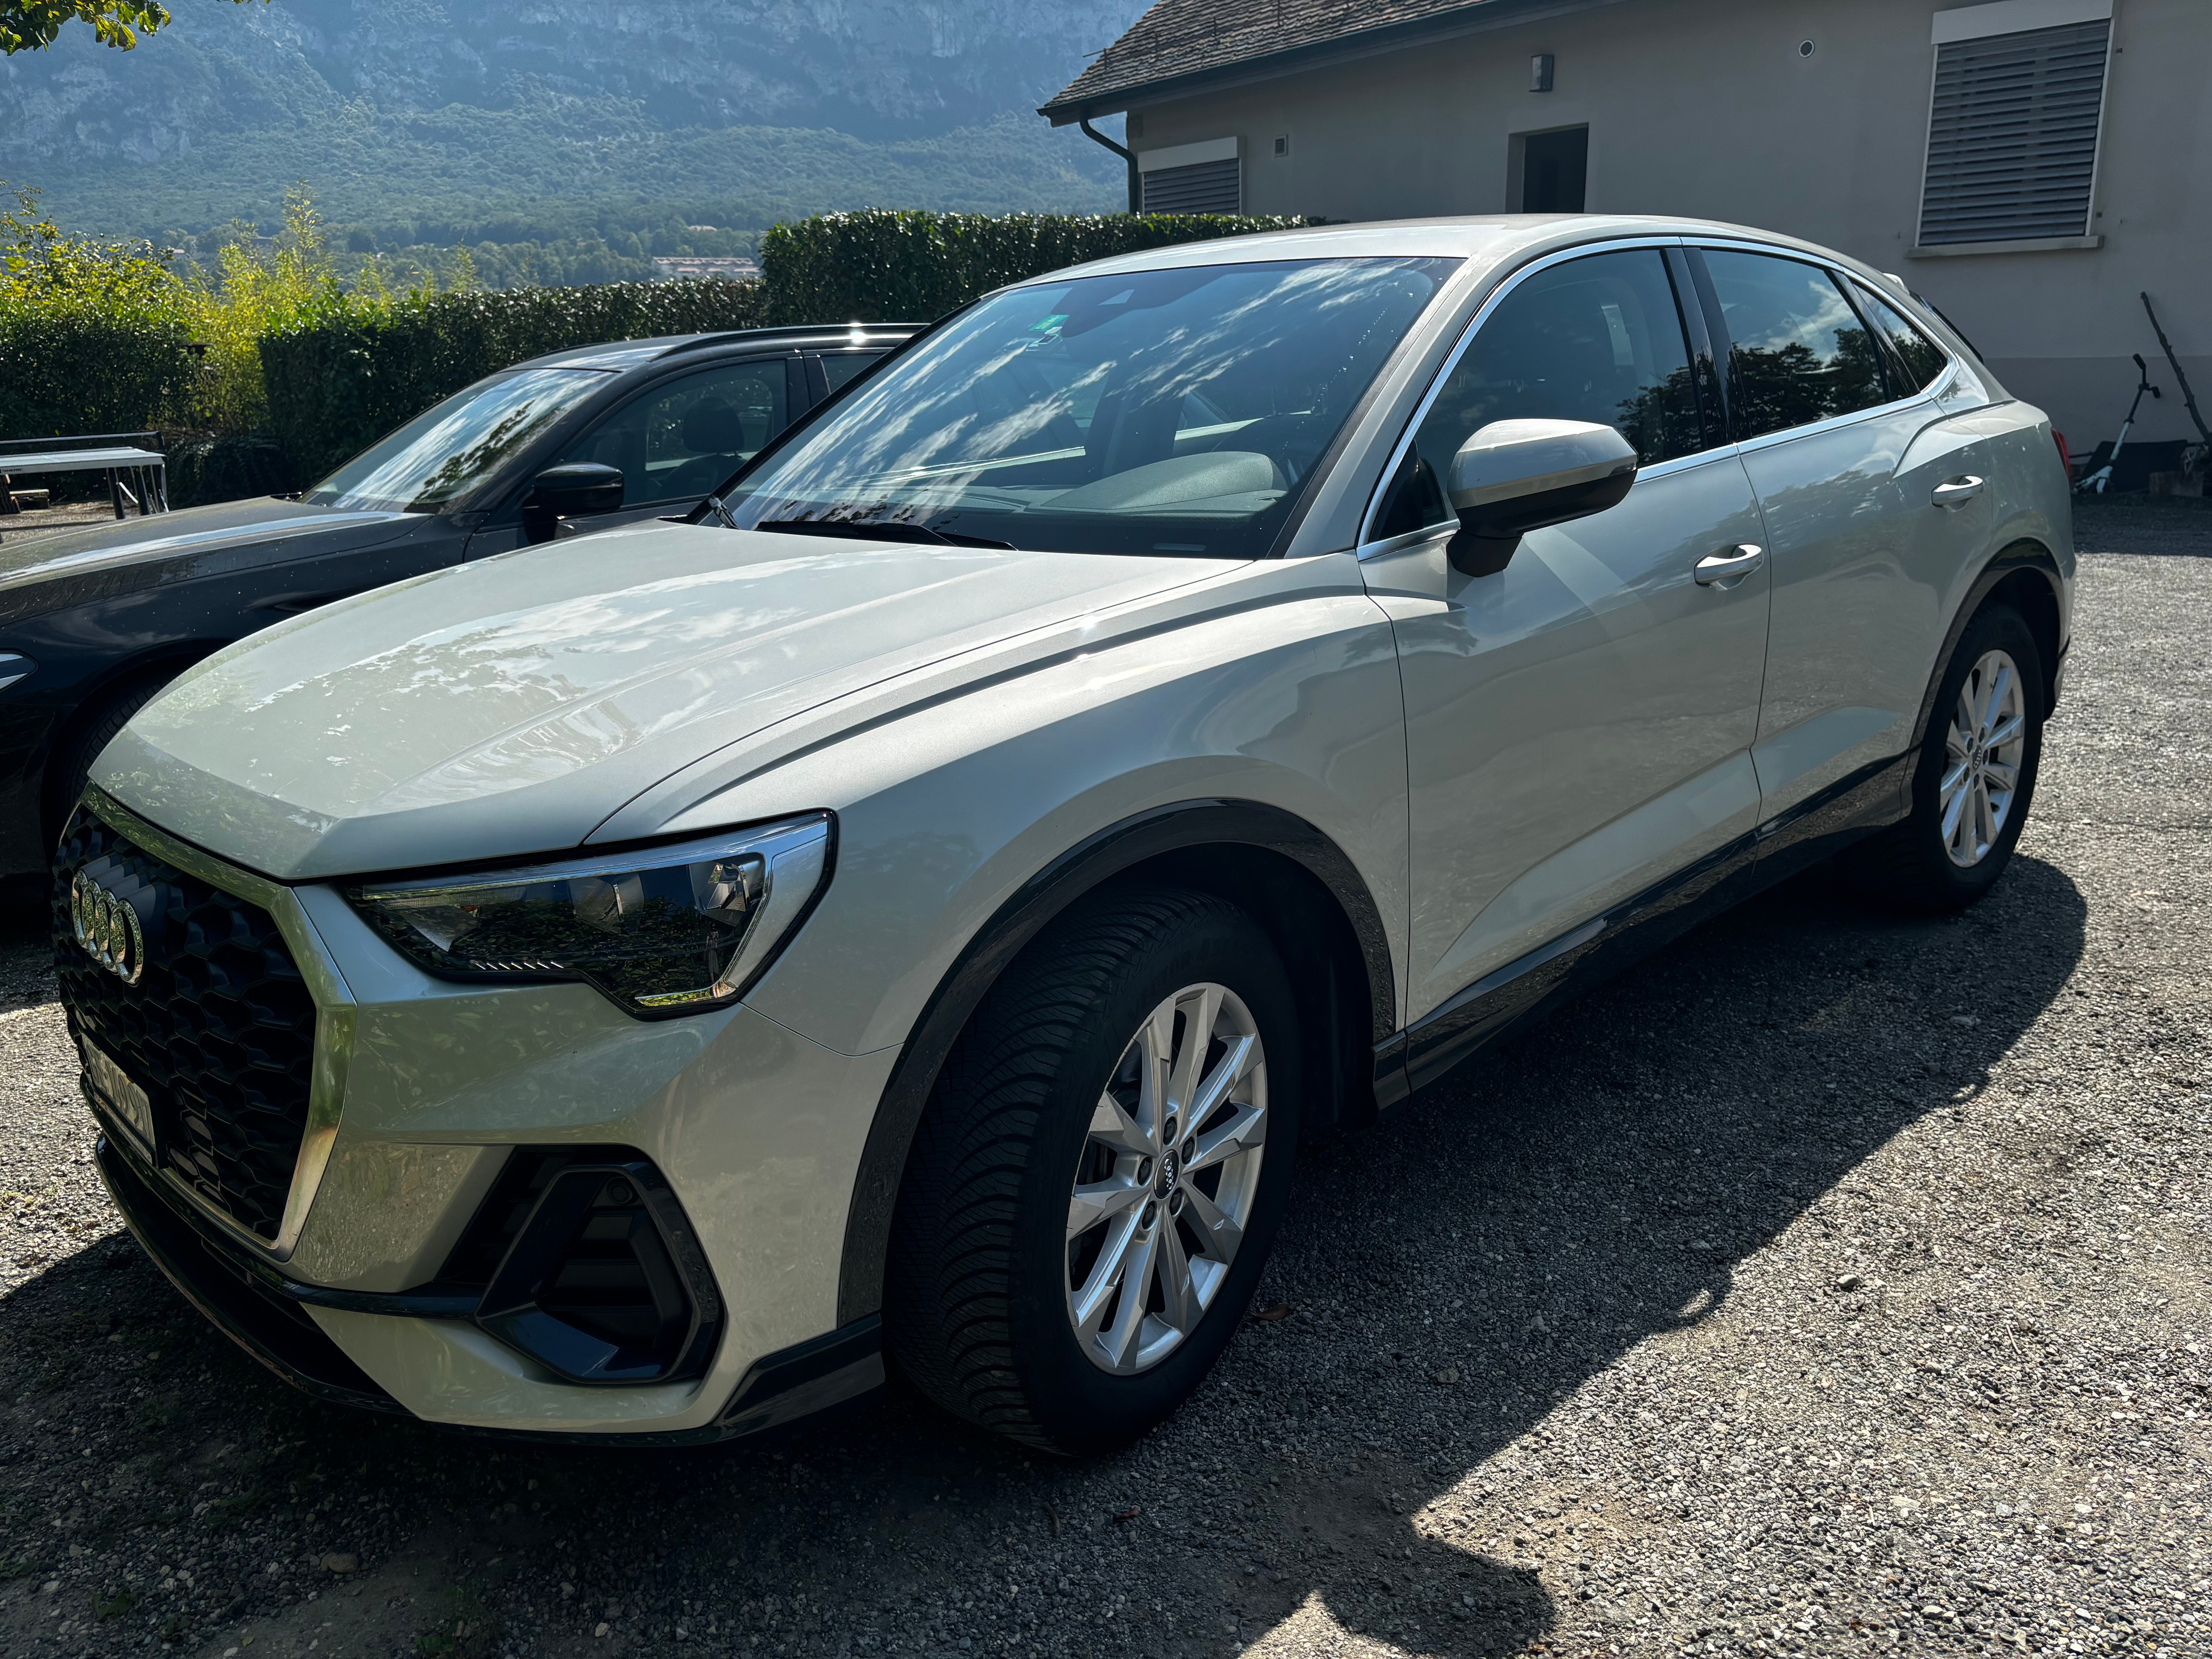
x,y
1834,1282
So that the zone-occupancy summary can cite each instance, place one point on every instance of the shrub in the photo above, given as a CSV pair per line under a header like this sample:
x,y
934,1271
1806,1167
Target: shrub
x,y
881,266
94,335
338,380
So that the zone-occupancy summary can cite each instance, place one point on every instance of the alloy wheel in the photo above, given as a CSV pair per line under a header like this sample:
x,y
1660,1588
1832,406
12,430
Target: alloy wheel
x,y
1164,1185
1984,749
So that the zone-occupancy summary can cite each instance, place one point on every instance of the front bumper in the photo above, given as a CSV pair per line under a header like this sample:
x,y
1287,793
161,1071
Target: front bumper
x,y
421,1091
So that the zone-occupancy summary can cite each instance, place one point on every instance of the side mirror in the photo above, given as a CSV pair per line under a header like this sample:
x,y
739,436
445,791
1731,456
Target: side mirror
x,y
1513,476
577,490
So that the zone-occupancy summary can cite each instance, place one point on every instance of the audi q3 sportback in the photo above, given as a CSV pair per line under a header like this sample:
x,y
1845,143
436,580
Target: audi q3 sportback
x,y
93,622
640,986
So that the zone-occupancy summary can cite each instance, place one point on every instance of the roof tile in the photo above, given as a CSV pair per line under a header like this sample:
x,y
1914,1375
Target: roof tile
x,y
1179,38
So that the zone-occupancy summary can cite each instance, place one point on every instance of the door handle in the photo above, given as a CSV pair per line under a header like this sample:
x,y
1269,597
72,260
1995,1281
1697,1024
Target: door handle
x,y
1953,492
1727,568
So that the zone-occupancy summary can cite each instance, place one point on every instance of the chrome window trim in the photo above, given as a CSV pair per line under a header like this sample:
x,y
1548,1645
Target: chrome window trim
x,y
335,1016
1933,391
1366,546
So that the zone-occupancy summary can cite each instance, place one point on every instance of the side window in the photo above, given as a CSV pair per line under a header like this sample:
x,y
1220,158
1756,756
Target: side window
x,y
1919,357
1798,352
678,440
841,367
1597,340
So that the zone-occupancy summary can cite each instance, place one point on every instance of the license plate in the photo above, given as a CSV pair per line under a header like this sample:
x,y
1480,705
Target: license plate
x,y
125,1102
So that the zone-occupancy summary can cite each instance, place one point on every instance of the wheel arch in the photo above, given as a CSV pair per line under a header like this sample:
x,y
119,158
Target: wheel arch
x,y
1291,878
2027,574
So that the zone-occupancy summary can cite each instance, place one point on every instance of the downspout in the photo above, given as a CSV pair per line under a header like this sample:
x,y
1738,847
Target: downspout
x,y
1136,185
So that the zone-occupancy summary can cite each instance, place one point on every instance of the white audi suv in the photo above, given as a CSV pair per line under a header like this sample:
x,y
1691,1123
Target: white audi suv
x,y
909,915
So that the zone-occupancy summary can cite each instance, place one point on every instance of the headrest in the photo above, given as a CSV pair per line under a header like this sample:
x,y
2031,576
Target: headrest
x,y
712,425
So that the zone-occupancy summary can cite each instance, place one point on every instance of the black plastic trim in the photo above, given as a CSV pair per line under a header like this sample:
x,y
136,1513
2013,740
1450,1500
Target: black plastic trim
x,y
1095,860
2021,555
241,1297
1706,364
509,1311
1587,955
207,1276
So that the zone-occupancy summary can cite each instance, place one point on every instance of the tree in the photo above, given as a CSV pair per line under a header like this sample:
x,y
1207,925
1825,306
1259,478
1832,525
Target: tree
x,y
31,25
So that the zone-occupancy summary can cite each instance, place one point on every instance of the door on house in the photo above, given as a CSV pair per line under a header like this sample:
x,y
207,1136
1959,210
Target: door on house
x,y
1554,169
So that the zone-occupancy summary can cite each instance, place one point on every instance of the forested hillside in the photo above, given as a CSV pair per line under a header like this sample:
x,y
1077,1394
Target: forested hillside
x,y
543,121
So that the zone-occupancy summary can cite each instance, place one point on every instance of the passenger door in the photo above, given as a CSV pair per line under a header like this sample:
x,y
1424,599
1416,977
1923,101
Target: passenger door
x,y
1845,448
1578,726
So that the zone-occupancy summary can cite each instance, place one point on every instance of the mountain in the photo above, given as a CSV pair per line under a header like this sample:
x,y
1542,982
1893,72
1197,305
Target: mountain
x,y
446,115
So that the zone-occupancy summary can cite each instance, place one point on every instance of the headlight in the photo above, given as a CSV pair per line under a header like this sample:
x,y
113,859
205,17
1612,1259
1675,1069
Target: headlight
x,y
671,930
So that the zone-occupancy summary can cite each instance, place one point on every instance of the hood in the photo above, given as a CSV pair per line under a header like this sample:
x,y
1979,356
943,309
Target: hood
x,y
509,706
35,567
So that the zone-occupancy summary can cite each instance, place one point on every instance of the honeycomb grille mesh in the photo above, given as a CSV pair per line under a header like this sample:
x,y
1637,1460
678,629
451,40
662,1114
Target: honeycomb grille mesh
x,y
220,1031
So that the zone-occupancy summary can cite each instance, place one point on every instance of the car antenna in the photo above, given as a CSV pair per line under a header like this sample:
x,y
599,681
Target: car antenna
x,y
2187,398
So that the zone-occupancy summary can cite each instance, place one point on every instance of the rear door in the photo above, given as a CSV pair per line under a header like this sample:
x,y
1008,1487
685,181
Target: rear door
x,y
1578,726
1845,446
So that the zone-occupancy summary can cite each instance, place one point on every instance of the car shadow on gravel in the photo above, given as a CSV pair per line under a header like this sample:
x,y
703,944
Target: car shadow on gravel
x,y
1375,1458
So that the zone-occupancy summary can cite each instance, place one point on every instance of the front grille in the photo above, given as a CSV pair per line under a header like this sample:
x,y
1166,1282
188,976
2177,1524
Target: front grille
x,y
219,1031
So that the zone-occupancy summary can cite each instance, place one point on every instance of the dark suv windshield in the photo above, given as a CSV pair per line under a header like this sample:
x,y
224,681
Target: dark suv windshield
x,y
449,449
1168,411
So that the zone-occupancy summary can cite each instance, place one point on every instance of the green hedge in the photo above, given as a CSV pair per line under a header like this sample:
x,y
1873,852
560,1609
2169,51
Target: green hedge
x,y
881,266
65,371
339,383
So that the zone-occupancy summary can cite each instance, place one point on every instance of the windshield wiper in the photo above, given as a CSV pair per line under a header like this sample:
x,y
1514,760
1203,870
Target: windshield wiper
x,y
880,532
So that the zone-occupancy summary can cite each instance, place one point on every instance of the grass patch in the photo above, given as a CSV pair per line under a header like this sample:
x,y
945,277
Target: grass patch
x,y
115,1606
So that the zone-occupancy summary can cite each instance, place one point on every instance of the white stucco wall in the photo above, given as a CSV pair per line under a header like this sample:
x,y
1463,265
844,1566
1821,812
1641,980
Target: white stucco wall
x,y
1706,108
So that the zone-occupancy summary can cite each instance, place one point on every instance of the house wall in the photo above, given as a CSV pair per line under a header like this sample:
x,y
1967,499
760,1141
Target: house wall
x,y
1705,107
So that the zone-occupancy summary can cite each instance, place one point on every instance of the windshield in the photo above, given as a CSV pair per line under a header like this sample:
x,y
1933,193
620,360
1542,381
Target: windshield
x,y
1169,411
442,454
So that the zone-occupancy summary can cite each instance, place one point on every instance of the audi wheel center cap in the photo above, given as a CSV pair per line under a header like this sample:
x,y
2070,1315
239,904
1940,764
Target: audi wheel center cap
x,y
107,928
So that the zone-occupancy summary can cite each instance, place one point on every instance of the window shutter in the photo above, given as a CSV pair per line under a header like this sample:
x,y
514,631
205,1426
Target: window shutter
x,y
2012,137
1204,187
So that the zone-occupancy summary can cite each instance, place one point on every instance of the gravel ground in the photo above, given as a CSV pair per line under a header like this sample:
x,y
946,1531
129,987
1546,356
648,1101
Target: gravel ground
x,y
1834,1283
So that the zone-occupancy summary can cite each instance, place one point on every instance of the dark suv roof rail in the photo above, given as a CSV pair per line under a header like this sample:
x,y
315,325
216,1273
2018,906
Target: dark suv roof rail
x,y
802,332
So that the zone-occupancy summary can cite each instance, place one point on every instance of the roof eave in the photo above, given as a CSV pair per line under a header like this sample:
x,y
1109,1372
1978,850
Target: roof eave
x,y
1477,17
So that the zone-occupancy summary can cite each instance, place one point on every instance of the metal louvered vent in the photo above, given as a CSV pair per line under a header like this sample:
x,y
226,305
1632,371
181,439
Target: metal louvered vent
x,y
1204,187
2012,139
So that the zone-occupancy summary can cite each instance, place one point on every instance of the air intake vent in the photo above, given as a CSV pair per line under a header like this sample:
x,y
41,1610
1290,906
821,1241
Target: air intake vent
x,y
2012,139
590,1266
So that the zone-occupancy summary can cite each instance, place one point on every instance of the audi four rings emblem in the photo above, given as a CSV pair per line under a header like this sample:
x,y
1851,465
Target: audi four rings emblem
x,y
107,928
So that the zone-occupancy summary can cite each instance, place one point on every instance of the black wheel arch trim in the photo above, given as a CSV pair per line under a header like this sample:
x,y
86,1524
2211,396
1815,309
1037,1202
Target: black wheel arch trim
x,y
2005,564
1095,860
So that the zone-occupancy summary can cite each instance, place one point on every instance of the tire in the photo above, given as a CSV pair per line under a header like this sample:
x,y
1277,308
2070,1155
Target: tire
x,y
1934,863
108,718
985,1284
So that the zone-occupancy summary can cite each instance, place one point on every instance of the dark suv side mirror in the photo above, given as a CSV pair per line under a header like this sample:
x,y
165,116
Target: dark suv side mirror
x,y
580,490
1513,476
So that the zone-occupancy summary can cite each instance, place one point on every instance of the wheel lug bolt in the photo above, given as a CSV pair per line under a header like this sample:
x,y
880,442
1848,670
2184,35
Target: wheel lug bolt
x,y
1143,1171
1189,1149
1174,1202
1168,1132
1152,1213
